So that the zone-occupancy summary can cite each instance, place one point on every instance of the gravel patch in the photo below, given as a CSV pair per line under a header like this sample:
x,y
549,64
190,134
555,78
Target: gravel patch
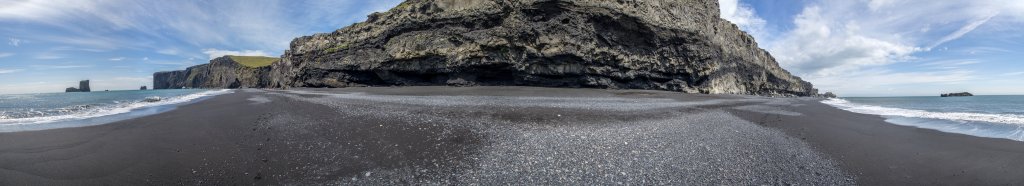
x,y
491,140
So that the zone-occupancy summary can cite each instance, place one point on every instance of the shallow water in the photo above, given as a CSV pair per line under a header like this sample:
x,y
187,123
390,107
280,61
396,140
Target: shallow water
x,y
22,112
985,116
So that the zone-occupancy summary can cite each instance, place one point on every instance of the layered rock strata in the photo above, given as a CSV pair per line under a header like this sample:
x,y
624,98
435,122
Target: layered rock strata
x,y
222,72
676,45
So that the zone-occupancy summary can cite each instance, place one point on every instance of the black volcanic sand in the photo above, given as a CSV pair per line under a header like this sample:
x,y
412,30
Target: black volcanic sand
x,y
502,135
880,153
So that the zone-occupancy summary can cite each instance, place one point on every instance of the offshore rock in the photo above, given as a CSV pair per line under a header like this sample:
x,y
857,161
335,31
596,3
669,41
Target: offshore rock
x,y
827,95
960,94
222,72
83,86
677,45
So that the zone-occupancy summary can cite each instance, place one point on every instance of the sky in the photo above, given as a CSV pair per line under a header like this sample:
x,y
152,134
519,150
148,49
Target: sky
x,y
851,47
48,45
892,47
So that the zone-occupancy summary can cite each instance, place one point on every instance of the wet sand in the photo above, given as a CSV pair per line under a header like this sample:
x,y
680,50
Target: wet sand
x,y
880,153
494,135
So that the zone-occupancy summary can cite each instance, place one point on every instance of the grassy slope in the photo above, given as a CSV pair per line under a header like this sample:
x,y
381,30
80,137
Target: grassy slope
x,y
254,61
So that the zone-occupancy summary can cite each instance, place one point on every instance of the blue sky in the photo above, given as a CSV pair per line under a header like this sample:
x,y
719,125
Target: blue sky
x,y
852,47
892,47
46,46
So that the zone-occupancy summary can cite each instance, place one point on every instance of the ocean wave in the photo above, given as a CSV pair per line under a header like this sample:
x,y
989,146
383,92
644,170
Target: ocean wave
x,y
953,116
77,112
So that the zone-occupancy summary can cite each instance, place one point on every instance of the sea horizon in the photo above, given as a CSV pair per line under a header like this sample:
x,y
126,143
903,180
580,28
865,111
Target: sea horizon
x,y
925,118
530,92
994,116
42,111
937,95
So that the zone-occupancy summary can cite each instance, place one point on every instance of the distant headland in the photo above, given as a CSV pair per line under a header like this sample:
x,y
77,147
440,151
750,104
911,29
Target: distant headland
x,y
961,94
83,86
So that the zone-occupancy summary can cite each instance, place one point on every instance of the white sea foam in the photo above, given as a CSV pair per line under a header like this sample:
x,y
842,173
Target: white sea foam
x,y
953,116
119,108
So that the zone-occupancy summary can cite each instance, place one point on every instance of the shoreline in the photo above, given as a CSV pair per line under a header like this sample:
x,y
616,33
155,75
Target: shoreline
x,y
339,136
111,113
883,153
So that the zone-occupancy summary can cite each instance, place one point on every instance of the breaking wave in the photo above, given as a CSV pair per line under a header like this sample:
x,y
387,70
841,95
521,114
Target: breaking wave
x,y
79,112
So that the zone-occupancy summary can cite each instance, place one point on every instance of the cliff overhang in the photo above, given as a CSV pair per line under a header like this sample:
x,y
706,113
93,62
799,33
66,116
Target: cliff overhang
x,y
676,45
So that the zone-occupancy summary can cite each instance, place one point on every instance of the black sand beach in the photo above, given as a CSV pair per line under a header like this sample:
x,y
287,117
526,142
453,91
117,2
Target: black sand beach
x,y
492,135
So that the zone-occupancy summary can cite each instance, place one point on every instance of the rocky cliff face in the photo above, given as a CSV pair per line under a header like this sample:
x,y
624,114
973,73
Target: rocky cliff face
x,y
678,45
221,72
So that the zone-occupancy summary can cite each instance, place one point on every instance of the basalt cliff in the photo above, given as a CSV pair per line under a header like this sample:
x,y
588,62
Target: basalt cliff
x,y
677,45
222,72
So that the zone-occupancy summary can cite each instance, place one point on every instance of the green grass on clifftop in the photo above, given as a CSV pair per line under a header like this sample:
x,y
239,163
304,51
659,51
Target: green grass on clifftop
x,y
254,61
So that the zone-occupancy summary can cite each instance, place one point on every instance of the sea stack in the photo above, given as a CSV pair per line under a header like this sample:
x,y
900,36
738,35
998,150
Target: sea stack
x,y
83,86
143,88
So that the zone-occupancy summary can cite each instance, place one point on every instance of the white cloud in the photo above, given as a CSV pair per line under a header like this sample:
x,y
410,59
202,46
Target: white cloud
x,y
91,42
874,5
878,82
179,29
117,59
14,42
822,46
5,54
984,50
215,53
7,71
963,30
743,16
956,64
60,66
174,63
168,51
49,56
832,39
268,26
1013,73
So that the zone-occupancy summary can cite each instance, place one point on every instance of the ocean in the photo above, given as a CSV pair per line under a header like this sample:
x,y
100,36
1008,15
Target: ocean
x,y
25,112
984,116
